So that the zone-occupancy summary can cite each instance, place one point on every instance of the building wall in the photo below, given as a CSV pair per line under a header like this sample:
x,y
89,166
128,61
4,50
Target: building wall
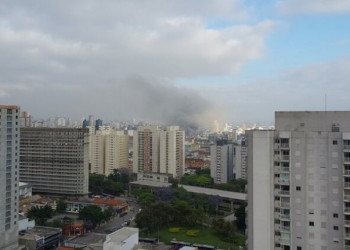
x,y
315,177
157,151
146,149
310,180
9,159
55,160
237,161
171,151
116,151
260,190
221,166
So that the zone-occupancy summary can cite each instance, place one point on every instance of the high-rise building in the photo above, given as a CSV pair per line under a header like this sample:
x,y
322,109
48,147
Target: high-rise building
x,y
172,151
55,160
244,152
116,151
26,119
9,153
221,164
299,182
146,149
109,150
158,151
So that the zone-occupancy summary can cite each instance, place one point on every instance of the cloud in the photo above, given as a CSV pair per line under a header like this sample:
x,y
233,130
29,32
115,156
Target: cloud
x,y
302,88
77,57
313,6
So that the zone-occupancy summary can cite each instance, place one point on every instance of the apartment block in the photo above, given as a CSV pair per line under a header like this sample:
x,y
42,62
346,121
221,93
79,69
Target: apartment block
x,y
222,160
55,160
109,150
146,149
159,151
306,176
172,151
9,154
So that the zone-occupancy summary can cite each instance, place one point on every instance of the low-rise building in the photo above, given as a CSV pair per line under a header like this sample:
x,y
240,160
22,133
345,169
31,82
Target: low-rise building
x,y
126,238
40,238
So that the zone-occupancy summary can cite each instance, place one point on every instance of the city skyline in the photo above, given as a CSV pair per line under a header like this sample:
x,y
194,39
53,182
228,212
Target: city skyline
x,y
175,62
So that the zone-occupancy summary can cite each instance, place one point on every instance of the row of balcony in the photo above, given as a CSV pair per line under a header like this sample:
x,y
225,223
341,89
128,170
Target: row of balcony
x,y
282,181
282,204
281,169
281,157
281,145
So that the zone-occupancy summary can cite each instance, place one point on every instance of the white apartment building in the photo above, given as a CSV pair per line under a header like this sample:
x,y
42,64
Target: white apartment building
x,y
116,151
221,164
158,151
172,151
9,161
109,150
299,182
55,160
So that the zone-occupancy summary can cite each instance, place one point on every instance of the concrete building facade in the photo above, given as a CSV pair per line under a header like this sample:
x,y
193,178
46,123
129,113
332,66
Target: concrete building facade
x,y
172,151
55,160
221,164
159,151
109,150
9,167
310,159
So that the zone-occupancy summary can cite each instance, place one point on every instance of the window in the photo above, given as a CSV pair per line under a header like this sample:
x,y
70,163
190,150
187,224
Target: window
x,y
335,228
335,142
298,188
311,223
299,248
335,215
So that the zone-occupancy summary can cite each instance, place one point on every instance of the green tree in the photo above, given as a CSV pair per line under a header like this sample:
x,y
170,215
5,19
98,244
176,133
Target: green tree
x,y
61,206
40,215
240,216
92,213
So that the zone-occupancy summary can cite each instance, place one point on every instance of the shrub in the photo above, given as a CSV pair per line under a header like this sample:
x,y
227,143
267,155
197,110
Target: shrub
x,y
192,233
174,229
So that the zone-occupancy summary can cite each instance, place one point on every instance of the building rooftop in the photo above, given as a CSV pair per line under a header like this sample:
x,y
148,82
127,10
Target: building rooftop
x,y
9,107
36,232
122,234
110,202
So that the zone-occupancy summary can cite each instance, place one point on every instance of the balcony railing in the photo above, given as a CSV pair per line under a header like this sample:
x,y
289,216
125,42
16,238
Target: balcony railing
x,y
346,197
346,172
284,241
285,216
284,145
347,223
283,181
285,228
347,184
285,204
284,192
346,209
346,147
346,159
285,169
285,157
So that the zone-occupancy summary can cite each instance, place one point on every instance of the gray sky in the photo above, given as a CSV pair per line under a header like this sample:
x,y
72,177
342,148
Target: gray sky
x,y
182,61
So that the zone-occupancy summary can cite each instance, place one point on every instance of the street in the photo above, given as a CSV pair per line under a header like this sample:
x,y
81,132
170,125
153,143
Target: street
x,y
118,222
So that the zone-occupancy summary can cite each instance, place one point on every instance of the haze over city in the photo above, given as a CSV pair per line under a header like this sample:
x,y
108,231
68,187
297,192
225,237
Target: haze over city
x,y
177,62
